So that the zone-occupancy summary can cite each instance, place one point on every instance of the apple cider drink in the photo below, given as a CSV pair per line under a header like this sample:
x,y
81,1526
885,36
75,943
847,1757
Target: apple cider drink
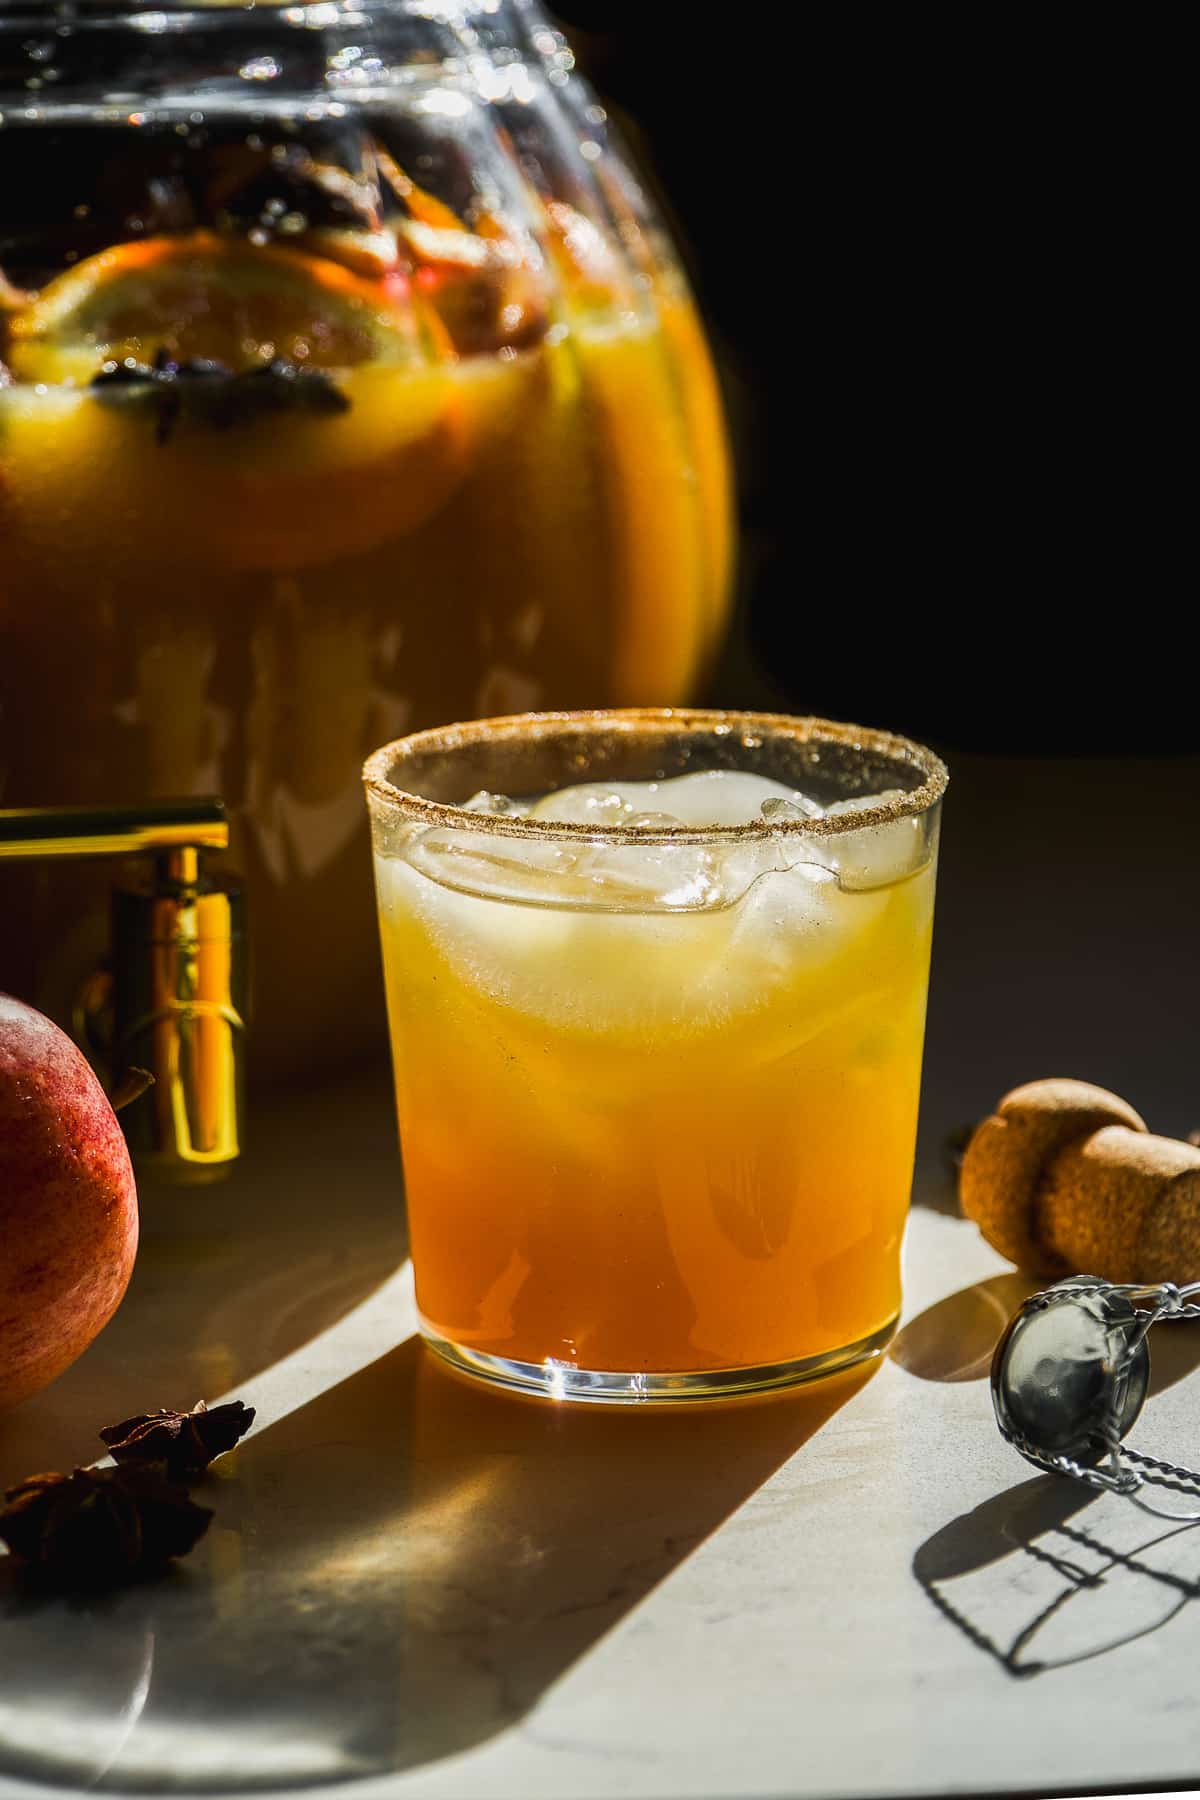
x,y
657,1039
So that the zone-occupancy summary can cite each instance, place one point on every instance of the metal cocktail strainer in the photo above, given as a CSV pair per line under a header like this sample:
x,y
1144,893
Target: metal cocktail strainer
x,y
1069,1377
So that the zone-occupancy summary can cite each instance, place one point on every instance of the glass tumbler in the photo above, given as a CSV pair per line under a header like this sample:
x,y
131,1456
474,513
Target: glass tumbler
x,y
656,983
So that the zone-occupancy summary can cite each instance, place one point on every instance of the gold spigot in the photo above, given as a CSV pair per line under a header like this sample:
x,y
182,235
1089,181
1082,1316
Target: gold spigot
x,y
174,1000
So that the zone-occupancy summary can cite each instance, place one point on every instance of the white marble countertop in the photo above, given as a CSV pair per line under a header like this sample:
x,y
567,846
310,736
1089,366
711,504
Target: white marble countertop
x,y
417,1587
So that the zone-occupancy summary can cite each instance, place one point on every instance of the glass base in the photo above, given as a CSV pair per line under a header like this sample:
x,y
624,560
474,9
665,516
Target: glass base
x,y
563,1381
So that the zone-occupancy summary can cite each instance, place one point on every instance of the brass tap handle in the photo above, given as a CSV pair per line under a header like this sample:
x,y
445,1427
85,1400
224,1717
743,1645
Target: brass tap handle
x,y
177,1000
38,831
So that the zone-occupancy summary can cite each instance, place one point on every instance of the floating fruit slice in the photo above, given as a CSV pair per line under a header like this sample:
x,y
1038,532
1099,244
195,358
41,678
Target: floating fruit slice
x,y
483,293
373,253
89,480
221,299
161,459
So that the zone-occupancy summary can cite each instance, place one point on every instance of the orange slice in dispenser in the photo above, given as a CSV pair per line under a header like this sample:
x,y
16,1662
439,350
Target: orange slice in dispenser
x,y
194,449
484,295
205,296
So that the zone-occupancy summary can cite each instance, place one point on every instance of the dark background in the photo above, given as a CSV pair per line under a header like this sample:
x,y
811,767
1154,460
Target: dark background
x,y
941,266
942,261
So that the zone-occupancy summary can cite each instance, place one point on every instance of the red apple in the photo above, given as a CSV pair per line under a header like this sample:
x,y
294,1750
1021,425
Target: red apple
x,y
68,1204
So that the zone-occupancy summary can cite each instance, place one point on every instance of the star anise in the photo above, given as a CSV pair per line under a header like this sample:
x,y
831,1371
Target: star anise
x,y
201,392
97,1527
182,1443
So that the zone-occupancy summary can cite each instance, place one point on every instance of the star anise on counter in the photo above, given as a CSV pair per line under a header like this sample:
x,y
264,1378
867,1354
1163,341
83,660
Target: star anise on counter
x,y
98,1527
182,1443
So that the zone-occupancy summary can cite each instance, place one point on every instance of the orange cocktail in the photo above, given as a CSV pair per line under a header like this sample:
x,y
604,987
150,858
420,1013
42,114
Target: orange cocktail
x,y
657,1021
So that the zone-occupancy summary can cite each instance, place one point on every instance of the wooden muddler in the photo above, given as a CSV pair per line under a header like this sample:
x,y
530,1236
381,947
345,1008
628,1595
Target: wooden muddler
x,y
1064,1178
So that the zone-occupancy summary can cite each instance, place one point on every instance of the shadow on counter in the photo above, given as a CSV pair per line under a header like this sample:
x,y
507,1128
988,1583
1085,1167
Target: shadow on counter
x,y
1131,1579
396,1572
1021,1569
232,1278
953,1340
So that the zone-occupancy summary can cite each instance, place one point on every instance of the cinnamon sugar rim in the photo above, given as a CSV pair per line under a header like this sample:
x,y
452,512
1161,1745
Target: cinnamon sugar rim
x,y
621,723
